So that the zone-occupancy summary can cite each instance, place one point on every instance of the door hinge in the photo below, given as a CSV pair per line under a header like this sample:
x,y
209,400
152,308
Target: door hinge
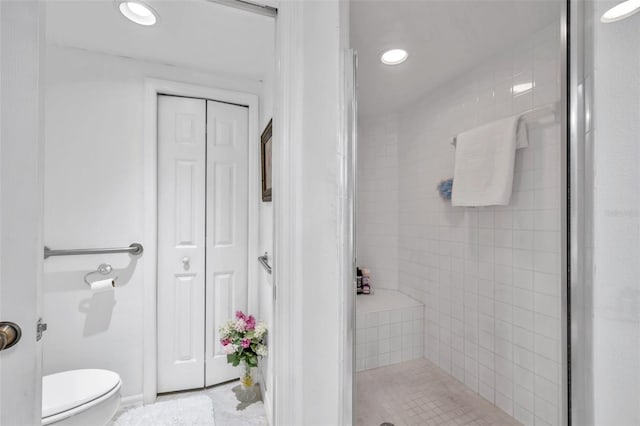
x,y
41,327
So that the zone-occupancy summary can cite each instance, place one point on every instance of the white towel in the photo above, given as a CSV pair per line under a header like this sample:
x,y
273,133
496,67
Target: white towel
x,y
485,159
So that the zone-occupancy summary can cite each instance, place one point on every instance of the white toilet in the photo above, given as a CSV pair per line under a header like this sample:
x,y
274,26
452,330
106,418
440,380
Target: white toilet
x,y
80,397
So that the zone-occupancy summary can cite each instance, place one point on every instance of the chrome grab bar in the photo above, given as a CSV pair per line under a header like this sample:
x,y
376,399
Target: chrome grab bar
x,y
135,249
264,261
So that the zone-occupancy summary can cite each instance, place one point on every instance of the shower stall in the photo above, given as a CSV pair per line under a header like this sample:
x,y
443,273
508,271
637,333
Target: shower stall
x,y
465,320
523,313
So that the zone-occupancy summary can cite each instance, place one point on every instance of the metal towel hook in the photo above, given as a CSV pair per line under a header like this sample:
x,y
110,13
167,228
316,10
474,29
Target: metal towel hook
x,y
103,269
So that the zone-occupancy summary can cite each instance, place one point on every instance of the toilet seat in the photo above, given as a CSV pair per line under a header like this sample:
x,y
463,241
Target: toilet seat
x,y
70,392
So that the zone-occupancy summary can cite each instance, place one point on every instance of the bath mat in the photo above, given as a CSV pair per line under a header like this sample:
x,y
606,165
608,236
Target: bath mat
x,y
189,411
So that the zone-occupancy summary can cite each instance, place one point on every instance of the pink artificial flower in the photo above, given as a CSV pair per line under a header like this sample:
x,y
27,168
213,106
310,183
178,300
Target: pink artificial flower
x,y
246,343
241,315
225,342
230,349
251,323
240,325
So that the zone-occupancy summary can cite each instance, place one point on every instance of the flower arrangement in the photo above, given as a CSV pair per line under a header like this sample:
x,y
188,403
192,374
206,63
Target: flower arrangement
x,y
243,340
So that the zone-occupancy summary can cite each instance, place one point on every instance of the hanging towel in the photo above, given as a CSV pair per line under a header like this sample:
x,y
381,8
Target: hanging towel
x,y
484,163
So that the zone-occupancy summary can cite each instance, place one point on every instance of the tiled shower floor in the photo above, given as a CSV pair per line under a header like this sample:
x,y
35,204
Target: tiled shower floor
x,y
419,393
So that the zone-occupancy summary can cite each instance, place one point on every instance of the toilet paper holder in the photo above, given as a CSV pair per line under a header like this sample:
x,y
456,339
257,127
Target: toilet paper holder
x,y
103,269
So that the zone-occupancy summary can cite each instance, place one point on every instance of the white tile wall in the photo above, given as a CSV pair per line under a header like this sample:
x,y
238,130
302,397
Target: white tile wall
x,y
377,239
489,277
389,337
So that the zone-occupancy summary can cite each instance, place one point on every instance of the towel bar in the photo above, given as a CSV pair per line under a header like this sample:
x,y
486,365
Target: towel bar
x,y
533,115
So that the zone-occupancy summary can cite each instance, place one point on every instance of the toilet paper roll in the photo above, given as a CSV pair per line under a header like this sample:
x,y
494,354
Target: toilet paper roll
x,y
103,285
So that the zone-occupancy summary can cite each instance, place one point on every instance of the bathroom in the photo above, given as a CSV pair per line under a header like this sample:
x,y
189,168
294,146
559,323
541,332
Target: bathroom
x,y
100,162
469,313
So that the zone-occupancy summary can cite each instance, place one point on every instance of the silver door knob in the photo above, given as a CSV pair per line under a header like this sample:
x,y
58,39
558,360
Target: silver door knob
x,y
10,334
186,263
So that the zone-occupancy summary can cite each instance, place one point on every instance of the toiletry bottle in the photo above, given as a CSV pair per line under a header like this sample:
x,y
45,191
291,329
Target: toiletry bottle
x,y
366,284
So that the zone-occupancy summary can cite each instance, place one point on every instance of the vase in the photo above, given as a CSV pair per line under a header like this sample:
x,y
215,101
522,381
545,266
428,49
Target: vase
x,y
247,375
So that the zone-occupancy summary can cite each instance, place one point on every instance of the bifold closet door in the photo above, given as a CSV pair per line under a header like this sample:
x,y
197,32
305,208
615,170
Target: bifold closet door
x,y
181,242
227,222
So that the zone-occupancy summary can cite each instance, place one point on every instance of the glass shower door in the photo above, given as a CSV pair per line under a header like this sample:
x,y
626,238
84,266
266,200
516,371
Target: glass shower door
x,y
605,159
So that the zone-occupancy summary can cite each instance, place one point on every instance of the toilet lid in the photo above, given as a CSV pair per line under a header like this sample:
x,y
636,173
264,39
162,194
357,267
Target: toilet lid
x,y
70,389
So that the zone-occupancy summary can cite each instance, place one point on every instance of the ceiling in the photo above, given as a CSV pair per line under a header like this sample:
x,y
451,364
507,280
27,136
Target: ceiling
x,y
444,38
190,33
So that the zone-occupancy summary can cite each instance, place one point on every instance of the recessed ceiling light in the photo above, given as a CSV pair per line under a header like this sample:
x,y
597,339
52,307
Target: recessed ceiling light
x,y
621,11
138,12
394,56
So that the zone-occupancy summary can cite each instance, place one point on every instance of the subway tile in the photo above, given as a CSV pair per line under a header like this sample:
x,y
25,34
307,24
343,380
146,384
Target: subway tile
x,y
486,339
523,240
487,392
486,358
548,348
523,220
523,377
523,397
546,411
546,368
547,305
503,311
546,262
503,366
523,415
523,278
504,330
523,357
523,299
471,381
546,326
546,283
503,238
383,331
503,293
546,390
523,318
523,259
546,241
504,402
503,348
384,346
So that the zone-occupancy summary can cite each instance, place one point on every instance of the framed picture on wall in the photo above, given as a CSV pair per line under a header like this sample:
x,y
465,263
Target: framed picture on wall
x,y
265,143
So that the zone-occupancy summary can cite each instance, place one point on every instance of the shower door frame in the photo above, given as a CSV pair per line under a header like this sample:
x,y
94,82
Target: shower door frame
x,y
566,162
569,232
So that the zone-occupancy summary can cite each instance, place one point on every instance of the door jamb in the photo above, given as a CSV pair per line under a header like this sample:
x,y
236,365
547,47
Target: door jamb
x,y
152,88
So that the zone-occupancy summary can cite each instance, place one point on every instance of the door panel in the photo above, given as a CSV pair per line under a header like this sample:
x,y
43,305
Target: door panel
x,y
21,198
227,205
181,242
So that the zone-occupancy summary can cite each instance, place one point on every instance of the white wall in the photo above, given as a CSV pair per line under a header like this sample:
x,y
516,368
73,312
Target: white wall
x,y
321,289
307,154
94,198
612,165
377,209
489,277
265,244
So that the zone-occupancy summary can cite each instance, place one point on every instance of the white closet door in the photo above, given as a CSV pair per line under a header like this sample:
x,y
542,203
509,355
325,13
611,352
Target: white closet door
x,y
227,203
181,242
